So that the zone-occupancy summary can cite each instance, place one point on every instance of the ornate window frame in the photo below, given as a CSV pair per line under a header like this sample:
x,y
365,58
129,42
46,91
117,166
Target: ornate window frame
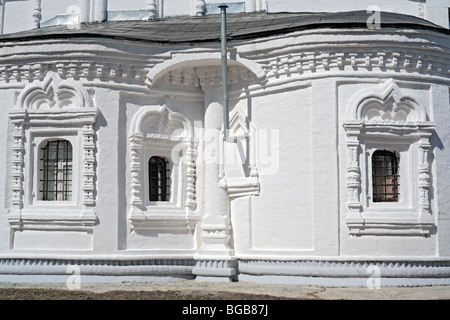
x,y
388,120
158,131
52,109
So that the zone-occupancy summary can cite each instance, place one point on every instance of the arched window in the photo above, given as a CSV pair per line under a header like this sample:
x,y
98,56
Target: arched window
x,y
159,179
56,171
385,178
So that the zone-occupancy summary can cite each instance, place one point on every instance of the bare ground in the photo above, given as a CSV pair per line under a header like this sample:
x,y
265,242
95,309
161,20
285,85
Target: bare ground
x,y
192,290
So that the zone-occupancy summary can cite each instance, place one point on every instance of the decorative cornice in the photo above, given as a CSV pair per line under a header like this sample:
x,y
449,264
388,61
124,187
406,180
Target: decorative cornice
x,y
92,71
261,68
357,59
388,123
207,76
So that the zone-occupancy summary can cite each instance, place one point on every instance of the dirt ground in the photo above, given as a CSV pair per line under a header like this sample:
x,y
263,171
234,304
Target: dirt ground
x,y
192,290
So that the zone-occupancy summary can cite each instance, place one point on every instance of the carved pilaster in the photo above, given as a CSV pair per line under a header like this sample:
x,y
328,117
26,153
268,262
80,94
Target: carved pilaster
x,y
191,174
88,133
424,175
135,140
17,164
353,169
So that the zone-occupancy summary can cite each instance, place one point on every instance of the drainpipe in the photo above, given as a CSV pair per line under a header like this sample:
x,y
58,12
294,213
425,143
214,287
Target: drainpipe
x,y
2,15
223,12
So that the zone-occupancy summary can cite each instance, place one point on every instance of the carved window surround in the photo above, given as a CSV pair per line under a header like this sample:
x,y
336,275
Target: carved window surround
x,y
158,131
408,135
49,110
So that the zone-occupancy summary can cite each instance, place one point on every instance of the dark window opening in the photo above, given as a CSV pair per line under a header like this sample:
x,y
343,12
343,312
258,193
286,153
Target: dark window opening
x,y
56,171
385,178
159,179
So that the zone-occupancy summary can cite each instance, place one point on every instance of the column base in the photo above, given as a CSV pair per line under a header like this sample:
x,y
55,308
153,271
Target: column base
x,y
215,270
214,279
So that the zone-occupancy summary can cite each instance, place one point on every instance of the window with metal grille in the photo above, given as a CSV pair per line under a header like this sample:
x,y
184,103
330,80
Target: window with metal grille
x,y
385,178
159,179
56,171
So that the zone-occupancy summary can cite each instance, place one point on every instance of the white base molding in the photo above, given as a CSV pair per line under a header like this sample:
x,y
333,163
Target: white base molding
x,y
346,273
335,273
92,270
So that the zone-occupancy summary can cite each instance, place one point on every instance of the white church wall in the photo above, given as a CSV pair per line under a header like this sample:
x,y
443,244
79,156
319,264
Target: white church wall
x,y
5,194
295,205
127,5
415,8
17,16
282,215
291,217
440,99
109,155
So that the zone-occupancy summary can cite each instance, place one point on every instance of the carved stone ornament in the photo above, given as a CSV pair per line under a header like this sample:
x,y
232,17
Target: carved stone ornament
x,y
158,127
387,114
40,108
200,7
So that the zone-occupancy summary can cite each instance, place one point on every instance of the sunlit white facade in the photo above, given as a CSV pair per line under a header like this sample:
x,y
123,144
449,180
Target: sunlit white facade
x,y
335,171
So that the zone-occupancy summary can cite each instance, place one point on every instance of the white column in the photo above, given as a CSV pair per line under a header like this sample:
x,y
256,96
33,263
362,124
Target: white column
x,y
250,5
85,11
215,259
99,10
215,225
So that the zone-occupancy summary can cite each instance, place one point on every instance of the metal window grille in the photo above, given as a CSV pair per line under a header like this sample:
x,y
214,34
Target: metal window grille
x,y
385,177
159,179
56,171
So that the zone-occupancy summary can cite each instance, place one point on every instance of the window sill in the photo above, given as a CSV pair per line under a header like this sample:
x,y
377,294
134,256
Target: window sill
x,y
169,220
53,219
398,226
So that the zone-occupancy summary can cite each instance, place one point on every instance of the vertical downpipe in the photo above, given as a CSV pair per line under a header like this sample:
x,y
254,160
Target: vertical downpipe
x,y
223,38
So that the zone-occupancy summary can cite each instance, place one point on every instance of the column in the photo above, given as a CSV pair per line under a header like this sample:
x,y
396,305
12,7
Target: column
x,y
99,10
215,259
93,10
85,9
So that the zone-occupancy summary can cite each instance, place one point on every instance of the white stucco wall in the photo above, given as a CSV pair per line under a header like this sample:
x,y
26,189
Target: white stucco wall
x,y
288,206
